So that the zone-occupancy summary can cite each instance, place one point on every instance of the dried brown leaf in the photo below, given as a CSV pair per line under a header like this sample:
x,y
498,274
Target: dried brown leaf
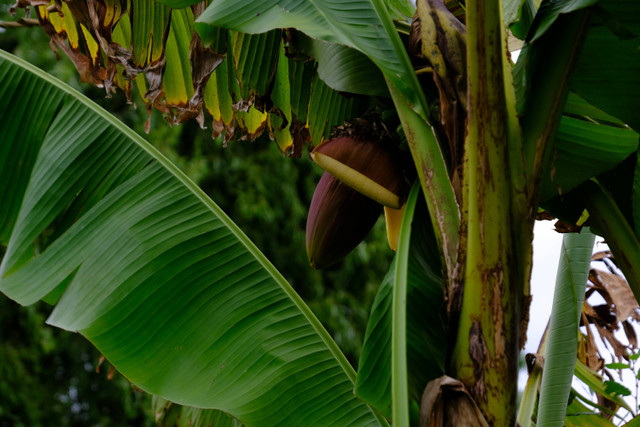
x,y
565,227
544,216
620,294
598,256
630,332
619,349
592,357
447,403
203,62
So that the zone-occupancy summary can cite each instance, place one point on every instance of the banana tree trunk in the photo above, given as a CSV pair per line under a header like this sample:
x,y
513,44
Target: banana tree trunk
x,y
490,278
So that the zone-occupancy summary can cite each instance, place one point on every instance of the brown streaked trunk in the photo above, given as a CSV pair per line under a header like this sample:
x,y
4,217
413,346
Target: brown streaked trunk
x,y
486,351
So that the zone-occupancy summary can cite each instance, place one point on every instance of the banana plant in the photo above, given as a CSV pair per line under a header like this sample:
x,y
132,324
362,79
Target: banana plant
x,y
142,263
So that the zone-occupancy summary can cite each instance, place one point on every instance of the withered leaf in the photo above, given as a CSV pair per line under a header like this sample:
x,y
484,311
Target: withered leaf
x,y
620,294
447,403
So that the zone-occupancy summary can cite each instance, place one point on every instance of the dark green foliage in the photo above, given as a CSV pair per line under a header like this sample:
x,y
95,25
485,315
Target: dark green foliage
x,y
48,377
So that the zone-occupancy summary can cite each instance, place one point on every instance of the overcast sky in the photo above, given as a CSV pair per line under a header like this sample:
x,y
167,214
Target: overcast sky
x,y
546,252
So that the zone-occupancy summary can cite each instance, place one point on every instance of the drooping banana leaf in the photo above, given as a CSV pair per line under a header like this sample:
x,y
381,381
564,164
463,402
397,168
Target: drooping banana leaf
x,y
157,47
255,58
177,83
584,149
542,75
357,24
518,16
143,264
591,49
401,10
342,68
550,11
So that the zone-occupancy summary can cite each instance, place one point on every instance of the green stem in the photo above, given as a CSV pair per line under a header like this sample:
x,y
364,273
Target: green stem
x,y
425,150
434,179
529,396
399,377
421,107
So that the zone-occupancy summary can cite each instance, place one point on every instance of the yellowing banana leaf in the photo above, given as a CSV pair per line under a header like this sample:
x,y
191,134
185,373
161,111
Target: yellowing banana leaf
x,y
143,264
150,27
280,116
218,101
360,24
63,21
67,35
255,58
176,81
151,39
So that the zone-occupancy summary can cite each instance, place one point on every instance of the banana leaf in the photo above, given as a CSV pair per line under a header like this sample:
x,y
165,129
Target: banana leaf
x,y
143,264
560,357
425,346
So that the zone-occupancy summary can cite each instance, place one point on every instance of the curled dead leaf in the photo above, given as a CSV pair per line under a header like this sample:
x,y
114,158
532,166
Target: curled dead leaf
x,y
604,320
618,293
446,402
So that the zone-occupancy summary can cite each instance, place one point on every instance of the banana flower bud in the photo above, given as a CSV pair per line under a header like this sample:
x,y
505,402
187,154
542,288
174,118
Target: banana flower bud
x,y
339,218
372,168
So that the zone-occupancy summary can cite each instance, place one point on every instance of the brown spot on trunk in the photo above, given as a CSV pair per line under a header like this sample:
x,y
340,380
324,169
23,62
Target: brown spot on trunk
x,y
479,352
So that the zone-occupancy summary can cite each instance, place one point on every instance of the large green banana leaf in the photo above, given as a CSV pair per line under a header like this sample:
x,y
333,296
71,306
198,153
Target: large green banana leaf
x,y
141,262
172,415
603,79
584,149
607,74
